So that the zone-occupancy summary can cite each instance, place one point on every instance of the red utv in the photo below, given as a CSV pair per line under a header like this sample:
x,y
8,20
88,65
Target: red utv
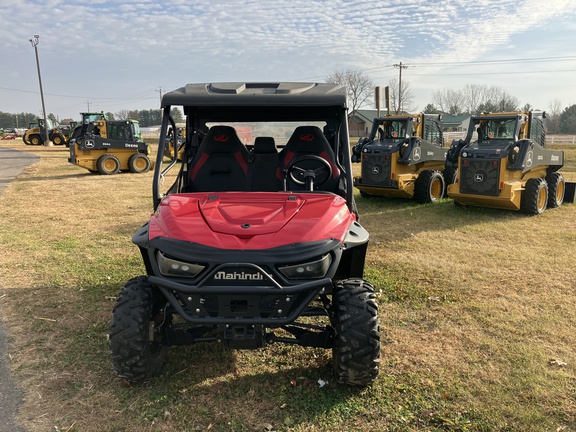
x,y
255,237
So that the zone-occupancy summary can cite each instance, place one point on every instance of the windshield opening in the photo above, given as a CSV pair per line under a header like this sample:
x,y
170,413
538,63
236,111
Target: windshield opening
x,y
497,129
394,129
279,131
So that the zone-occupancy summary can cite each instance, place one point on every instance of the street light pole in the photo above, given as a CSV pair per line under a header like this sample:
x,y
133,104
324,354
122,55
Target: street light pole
x,y
34,43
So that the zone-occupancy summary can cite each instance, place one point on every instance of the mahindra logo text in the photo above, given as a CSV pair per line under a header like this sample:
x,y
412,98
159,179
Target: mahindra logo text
x,y
222,275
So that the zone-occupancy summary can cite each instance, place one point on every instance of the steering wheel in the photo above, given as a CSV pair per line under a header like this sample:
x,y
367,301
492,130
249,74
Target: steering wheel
x,y
306,176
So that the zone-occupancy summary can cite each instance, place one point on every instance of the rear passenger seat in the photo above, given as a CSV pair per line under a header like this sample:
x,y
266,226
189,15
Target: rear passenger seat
x,y
264,166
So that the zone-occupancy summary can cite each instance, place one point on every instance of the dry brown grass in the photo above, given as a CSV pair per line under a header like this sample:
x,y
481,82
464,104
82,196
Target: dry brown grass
x,y
475,303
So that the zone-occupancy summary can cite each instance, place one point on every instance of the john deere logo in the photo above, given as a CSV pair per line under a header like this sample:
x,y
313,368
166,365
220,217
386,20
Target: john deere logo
x,y
89,144
221,138
375,170
306,137
478,178
529,159
417,154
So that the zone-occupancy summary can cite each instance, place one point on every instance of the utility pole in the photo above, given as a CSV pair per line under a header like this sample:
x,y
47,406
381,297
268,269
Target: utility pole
x,y
160,91
88,105
400,66
34,43
161,109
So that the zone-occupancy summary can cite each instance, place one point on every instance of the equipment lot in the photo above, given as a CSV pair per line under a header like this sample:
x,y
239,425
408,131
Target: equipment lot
x,y
477,320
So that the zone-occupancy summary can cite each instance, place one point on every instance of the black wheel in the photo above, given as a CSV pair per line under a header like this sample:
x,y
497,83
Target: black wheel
x,y
429,187
556,189
356,352
58,139
24,140
139,163
450,175
108,164
35,140
308,168
534,196
135,342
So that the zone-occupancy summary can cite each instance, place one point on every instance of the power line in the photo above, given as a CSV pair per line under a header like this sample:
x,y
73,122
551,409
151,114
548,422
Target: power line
x,y
505,61
493,73
79,97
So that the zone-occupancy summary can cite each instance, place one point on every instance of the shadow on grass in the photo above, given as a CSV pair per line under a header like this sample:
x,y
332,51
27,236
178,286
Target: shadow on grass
x,y
398,219
245,390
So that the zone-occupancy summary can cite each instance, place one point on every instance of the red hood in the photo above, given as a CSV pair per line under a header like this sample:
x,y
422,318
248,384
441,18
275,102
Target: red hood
x,y
255,220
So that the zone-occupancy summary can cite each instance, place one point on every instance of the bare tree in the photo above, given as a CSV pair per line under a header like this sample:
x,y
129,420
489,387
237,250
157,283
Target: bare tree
x,y
401,99
449,101
122,114
359,86
553,121
505,101
472,95
474,99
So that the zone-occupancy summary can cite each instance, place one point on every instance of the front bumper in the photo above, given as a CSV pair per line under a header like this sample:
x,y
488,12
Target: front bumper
x,y
242,287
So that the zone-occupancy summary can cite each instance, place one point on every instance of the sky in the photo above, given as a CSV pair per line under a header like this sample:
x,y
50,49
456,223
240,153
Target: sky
x,y
112,56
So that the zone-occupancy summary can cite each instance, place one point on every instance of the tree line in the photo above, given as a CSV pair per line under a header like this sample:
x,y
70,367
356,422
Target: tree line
x,y
152,117
472,99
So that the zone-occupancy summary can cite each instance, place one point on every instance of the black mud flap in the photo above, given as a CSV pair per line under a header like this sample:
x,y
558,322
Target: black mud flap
x,y
570,188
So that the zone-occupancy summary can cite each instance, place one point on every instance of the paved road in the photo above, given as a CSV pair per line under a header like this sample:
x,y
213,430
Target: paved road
x,y
12,163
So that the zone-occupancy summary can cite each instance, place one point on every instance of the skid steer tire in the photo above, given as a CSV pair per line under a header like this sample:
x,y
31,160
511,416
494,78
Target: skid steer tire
x,y
556,189
134,356
534,197
429,187
108,164
139,163
356,351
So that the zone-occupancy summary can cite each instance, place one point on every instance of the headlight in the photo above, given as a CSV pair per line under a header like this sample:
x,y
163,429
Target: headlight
x,y
171,267
310,270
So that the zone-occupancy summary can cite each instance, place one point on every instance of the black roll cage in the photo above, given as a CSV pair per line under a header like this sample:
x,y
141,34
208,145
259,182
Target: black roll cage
x,y
237,102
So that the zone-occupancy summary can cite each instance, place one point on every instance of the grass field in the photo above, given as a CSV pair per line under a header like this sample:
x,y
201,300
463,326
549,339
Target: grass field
x,y
477,310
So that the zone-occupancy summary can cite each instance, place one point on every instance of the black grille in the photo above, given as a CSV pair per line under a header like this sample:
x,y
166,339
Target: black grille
x,y
376,169
480,177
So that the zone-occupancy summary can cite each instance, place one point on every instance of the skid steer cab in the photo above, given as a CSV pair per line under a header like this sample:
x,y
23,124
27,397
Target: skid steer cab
x,y
255,237
403,157
175,142
78,130
503,163
108,147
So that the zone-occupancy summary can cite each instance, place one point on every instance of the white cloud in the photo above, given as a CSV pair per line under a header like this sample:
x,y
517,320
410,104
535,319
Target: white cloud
x,y
104,49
